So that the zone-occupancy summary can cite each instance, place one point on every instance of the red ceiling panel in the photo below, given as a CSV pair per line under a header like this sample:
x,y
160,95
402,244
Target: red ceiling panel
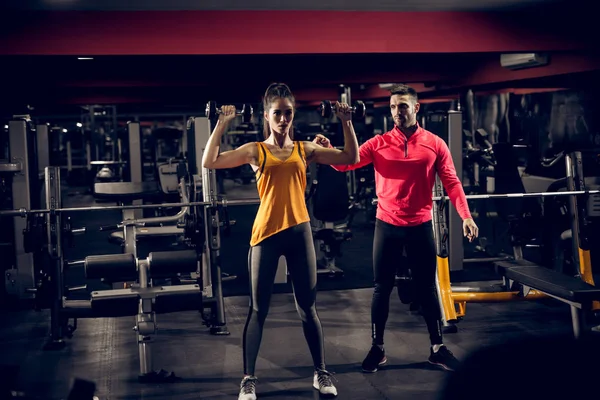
x,y
279,32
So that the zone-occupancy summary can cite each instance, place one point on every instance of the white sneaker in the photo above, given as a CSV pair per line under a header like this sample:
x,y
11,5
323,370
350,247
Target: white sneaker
x,y
248,388
322,382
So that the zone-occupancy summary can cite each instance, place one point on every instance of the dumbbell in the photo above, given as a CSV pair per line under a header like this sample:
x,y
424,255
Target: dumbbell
x,y
327,107
212,111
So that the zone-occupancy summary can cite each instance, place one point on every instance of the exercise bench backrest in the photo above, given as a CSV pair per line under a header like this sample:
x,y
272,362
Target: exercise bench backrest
x,y
331,199
508,180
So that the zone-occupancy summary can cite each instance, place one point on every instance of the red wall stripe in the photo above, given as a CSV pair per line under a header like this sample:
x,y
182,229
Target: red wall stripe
x,y
278,32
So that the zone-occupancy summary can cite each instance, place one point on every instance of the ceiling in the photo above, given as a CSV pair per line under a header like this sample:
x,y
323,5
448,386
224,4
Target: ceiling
x,y
346,5
135,65
188,82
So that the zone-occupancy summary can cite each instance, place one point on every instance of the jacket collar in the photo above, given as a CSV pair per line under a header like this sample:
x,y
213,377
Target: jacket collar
x,y
396,132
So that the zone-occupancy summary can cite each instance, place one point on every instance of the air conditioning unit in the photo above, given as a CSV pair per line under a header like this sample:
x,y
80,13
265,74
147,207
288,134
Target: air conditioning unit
x,y
523,60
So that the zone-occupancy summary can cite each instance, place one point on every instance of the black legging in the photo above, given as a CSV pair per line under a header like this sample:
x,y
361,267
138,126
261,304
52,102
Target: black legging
x,y
296,244
388,243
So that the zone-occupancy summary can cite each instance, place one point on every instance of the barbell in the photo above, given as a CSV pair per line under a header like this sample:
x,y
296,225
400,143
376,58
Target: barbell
x,y
515,195
23,212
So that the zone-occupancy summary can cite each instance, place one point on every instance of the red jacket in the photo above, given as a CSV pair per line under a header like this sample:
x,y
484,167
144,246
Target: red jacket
x,y
405,174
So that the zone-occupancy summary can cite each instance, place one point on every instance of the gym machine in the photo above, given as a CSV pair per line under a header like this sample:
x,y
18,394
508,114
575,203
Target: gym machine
x,y
118,169
106,163
128,193
331,200
199,130
25,191
166,166
42,148
188,222
448,125
78,152
522,279
142,299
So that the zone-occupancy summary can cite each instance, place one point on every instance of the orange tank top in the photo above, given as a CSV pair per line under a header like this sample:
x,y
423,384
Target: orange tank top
x,y
281,186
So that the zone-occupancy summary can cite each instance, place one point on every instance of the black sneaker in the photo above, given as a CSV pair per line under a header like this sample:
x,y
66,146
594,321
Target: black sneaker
x,y
444,358
375,359
248,388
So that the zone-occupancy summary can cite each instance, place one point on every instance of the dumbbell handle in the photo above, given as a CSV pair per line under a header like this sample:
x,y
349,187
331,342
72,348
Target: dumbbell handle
x,y
333,106
237,112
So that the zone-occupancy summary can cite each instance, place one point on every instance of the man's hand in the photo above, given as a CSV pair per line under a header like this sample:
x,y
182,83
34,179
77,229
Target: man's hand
x,y
470,229
321,140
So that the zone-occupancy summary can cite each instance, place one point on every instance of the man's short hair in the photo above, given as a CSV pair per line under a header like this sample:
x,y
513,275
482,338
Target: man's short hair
x,y
402,90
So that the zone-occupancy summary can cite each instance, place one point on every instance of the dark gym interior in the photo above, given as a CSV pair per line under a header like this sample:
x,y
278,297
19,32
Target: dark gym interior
x,y
125,261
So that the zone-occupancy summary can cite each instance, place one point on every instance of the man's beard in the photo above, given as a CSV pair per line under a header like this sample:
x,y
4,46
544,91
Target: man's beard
x,y
403,122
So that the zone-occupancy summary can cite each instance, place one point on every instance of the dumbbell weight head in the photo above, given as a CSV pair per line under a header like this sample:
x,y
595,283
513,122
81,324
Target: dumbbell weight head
x,y
360,109
211,110
326,109
247,112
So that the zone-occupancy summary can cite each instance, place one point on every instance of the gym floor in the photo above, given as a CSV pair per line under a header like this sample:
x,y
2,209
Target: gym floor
x,y
210,367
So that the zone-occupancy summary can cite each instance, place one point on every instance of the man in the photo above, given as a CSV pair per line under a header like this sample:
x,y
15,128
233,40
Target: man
x,y
406,161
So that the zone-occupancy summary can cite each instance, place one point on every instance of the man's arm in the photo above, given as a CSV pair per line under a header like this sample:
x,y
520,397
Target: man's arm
x,y
364,152
447,172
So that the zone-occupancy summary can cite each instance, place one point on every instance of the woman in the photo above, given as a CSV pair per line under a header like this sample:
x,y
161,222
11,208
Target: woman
x,y
282,223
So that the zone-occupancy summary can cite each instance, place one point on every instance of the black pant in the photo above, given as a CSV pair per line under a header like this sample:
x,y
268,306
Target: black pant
x,y
296,244
388,243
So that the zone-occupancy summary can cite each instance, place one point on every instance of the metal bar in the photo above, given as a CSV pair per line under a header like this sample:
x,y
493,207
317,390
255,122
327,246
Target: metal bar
x,y
224,202
456,251
519,195
135,161
42,147
22,212
55,252
442,282
493,297
142,222
210,191
11,167
485,259
576,319
145,320
23,272
516,195
76,304
573,208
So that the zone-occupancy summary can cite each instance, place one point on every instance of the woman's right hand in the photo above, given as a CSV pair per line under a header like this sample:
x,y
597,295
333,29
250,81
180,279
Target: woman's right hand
x,y
227,113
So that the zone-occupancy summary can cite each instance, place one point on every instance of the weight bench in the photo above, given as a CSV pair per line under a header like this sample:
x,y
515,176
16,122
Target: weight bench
x,y
570,290
141,300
